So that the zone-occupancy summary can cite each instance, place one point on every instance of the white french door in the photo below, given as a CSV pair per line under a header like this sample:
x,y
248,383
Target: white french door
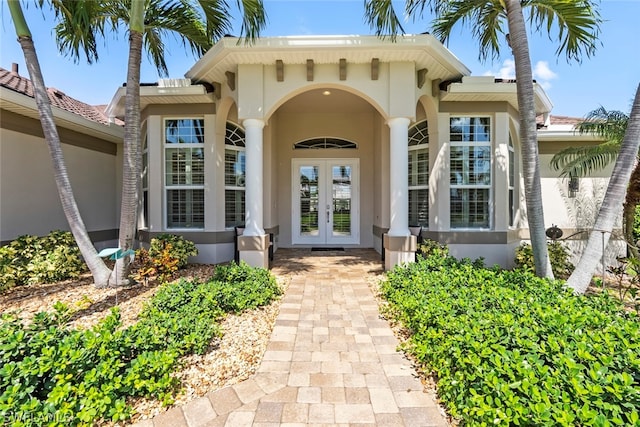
x,y
325,199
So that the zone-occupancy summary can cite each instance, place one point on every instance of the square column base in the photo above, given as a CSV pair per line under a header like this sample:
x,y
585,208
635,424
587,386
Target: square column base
x,y
254,250
399,250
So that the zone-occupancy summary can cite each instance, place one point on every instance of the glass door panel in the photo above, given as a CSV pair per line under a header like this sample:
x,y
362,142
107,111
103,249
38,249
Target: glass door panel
x,y
325,201
341,197
309,201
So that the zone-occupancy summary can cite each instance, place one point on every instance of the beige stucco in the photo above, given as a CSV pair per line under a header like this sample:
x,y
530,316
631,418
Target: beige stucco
x,y
29,202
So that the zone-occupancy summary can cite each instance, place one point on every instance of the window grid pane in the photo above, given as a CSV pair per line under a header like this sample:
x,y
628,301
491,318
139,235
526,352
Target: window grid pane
x,y
184,167
419,174
234,176
470,172
512,180
185,208
184,131
234,208
469,208
419,207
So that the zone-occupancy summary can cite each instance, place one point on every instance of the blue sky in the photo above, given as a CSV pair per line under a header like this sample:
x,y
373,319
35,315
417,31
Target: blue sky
x,y
610,78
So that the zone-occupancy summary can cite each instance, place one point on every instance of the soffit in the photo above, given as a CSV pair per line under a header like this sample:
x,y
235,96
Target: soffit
x,y
424,50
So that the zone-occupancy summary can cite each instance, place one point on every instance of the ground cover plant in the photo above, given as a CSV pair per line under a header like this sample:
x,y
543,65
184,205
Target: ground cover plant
x,y
52,374
508,348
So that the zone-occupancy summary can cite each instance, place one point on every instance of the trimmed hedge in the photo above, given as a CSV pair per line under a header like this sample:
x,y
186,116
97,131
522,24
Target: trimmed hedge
x,y
508,348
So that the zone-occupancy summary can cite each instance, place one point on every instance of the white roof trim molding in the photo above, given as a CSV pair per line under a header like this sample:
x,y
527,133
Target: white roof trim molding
x,y
489,88
167,91
422,49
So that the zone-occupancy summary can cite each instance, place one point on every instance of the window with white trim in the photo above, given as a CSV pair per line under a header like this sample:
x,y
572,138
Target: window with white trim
x,y
234,176
184,172
512,183
419,174
145,183
470,172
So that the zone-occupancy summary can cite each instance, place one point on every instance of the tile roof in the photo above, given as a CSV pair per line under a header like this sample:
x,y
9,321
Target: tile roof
x,y
13,81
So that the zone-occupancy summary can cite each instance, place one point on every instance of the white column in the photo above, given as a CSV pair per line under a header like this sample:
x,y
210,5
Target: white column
x,y
399,176
254,177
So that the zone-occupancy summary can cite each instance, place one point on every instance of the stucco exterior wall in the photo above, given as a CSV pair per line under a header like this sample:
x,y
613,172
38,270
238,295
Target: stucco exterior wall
x,y
29,202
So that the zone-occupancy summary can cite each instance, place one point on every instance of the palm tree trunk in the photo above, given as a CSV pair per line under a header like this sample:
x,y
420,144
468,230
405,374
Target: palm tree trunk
x,y
99,270
612,203
528,136
131,147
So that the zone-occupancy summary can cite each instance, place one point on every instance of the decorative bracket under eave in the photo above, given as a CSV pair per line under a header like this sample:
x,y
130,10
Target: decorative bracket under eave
x,y
231,80
375,65
422,77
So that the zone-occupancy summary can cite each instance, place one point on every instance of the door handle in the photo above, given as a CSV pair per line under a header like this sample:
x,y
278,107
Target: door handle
x,y
328,213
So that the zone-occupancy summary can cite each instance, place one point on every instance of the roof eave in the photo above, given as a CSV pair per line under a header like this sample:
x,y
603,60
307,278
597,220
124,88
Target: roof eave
x,y
112,133
158,95
287,47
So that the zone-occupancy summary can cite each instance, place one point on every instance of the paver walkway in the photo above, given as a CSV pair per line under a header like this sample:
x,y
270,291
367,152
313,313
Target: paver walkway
x,y
331,359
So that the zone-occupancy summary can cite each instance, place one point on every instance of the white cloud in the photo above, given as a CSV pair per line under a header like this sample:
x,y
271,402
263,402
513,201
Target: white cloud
x,y
541,72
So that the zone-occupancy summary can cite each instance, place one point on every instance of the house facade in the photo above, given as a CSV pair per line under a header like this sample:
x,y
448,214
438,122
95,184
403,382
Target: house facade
x,y
337,142
349,142
29,200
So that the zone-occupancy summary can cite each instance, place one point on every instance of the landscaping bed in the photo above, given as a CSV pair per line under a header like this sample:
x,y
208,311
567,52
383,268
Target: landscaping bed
x,y
229,358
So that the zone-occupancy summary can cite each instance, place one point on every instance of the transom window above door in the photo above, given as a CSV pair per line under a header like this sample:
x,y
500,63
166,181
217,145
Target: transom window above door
x,y
324,143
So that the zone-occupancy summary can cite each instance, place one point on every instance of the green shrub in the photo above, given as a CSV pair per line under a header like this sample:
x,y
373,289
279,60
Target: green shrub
x,y
558,254
167,254
508,348
51,374
32,259
176,246
430,247
241,287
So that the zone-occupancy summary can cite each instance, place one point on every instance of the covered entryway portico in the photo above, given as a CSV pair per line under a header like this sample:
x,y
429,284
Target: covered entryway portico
x,y
326,123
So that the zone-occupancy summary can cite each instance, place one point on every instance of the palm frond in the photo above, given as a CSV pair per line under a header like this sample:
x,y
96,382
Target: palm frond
x,y
381,16
254,19
79,25
577,24
486,19
610,125
582,161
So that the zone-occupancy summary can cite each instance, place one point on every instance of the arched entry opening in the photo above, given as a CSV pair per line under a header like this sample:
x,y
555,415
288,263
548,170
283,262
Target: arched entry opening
x,y
326,146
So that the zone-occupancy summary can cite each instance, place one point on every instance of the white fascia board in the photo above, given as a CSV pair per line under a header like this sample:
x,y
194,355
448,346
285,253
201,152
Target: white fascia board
x,y
110,132
116,106
420,44
111,109
567,135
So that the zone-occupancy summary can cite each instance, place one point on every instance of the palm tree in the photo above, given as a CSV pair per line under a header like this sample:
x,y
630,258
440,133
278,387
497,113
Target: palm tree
x,y
197,23
99,270
581,161
578,24
612,203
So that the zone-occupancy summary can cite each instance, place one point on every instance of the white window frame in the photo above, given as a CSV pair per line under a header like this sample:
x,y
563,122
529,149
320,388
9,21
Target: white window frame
x,y
238,148
168,188
487,186
512,195
421,145
144,179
